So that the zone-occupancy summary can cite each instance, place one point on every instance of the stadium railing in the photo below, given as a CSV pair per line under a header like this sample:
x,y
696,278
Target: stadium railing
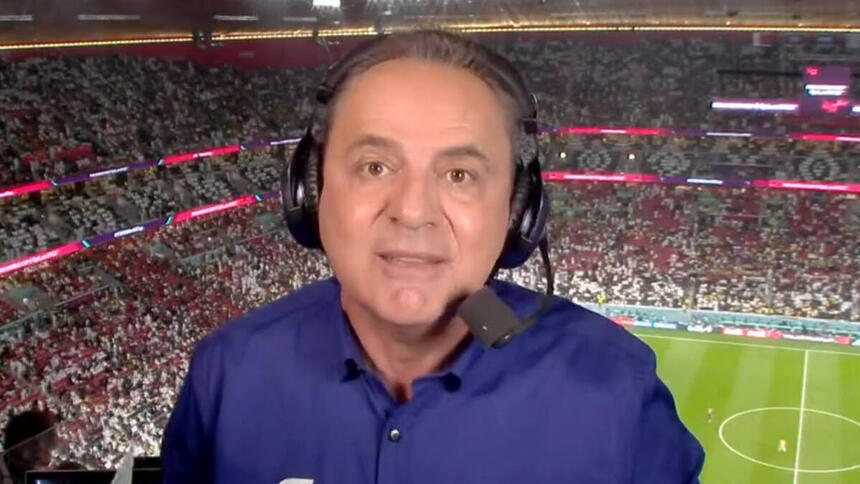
x,y
734,324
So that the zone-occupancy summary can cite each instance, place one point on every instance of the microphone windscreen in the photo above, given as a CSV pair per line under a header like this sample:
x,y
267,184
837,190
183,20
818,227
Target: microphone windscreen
x,y
489,319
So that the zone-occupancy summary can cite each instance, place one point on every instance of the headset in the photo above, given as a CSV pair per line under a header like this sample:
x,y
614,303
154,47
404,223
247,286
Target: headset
x,y
301,180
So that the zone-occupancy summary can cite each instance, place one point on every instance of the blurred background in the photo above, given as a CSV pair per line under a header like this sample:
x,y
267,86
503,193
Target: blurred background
x,y
703,161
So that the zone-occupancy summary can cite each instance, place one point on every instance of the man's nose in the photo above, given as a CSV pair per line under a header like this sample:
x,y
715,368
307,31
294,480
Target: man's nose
x,y
414,202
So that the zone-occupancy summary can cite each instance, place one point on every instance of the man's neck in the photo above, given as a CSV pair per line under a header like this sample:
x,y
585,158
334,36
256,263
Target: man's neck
x,y
402,354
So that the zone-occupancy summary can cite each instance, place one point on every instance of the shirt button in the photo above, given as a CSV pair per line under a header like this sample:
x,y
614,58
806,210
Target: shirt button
x,y
451,382
394,435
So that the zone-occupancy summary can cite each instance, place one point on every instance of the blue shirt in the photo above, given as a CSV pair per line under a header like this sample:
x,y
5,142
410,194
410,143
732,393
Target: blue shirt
x,y
282,393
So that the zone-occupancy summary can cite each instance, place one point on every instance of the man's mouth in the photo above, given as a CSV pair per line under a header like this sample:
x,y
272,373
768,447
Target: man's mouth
x,y
410,257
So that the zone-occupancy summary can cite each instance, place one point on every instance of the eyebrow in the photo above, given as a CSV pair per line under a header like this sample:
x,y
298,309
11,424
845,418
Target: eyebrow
x,y
374,141
464,151
459,151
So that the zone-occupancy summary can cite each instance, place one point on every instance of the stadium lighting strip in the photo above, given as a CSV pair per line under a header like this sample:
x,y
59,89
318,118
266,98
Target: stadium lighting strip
x,y
753,105
567,130
71,248
169,160
742,28
471,27
236,18
296,34
561,176
773,106
16,18
184,216
700,133
826,89
101,17
95,43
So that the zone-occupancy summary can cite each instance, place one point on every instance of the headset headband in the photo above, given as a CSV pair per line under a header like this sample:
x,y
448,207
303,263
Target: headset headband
x,y
500,70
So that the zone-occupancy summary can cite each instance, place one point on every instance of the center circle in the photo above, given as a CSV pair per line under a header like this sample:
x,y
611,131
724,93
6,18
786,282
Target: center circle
x,y
785,468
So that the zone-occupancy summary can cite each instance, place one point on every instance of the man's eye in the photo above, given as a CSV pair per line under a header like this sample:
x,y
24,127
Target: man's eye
x,y
459,175
374,168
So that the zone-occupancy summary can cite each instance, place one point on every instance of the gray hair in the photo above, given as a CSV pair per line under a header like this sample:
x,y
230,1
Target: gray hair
x,y
448,49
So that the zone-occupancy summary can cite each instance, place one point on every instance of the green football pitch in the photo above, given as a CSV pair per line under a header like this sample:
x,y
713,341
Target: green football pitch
x,y
762,392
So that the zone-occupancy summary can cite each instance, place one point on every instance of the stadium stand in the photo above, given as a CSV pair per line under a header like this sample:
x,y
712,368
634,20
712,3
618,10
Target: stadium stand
x,y
99,338
116,333
706,157
85,210
67,114
743,250
115,111
111,360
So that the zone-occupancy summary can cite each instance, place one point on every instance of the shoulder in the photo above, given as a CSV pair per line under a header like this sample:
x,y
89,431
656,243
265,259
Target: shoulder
x,y
584,340
582,327
278,320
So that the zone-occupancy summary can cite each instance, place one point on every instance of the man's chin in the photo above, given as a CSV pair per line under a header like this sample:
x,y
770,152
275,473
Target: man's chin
x,y
417,305
411,317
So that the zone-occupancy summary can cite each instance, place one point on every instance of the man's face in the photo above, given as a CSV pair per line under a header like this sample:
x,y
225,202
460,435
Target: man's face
x,y
417,183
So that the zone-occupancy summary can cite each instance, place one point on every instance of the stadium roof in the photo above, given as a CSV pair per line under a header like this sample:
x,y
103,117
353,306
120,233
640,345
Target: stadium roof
x,y
27,21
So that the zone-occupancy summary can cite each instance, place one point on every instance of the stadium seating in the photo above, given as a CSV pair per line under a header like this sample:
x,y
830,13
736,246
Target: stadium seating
x,y
637,245
117,323
66,114
706,157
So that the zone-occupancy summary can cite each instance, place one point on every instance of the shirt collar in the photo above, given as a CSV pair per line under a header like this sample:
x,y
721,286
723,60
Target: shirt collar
x,y
349,362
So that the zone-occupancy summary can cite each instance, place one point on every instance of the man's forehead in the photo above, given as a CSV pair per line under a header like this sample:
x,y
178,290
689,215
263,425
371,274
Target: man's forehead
x,y
420,100
452,94
447,150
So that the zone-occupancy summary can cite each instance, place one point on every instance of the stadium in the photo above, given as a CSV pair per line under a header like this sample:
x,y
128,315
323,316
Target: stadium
x,y
702,163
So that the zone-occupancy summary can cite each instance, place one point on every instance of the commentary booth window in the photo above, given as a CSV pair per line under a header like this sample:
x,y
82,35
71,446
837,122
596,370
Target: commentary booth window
x,y
316,244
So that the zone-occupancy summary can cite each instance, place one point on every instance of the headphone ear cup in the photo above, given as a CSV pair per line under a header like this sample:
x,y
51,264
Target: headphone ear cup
x,y
519,199
300,198
529,215
313,182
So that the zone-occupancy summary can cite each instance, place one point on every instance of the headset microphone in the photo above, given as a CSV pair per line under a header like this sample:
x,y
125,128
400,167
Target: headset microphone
x,y
491,320
488,318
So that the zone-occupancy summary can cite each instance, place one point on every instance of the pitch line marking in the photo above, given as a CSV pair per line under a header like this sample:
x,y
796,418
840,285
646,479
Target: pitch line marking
x,y
800,422
784,468
752,345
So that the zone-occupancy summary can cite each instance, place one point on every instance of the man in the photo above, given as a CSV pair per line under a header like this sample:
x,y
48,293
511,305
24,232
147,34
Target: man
x,y
370,377
783,446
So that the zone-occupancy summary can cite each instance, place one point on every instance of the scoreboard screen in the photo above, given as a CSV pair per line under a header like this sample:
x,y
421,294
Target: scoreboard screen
x,y
826,90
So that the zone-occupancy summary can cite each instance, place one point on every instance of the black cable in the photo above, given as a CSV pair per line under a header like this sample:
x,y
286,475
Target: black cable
x,y
543,245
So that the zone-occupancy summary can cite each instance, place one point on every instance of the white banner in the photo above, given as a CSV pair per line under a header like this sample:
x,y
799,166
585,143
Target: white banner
x,y
804,337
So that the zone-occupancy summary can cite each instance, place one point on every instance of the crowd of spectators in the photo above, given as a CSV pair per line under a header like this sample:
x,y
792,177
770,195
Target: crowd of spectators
x,y
660,80
706,157
103,337
110,352
68,214
745,250
64,114
110,363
